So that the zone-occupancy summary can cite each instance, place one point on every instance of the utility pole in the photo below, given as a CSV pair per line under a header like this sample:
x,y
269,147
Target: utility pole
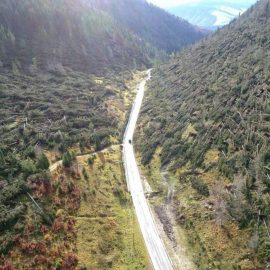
x,y
133,236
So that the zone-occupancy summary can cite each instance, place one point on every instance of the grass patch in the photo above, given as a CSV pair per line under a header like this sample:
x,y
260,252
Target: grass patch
x,y
108,236
196,213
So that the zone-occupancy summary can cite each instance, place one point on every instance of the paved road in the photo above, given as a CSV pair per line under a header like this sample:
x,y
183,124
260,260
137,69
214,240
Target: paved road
x,y
156,249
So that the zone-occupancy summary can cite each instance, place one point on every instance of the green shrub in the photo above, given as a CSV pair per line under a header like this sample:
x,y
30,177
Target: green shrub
x,y
91,160
201,187
43,162
68,158
85,174
30,152
28,167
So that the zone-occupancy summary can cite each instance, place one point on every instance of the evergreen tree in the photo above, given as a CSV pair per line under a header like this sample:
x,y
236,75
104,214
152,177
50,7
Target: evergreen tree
x,y
67,159
43,162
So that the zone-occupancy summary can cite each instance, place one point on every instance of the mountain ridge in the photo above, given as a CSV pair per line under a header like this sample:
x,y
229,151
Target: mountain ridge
x,y
211,14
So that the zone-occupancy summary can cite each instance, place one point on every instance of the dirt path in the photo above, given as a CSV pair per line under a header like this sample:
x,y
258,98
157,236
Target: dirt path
x,y
59,163
176,244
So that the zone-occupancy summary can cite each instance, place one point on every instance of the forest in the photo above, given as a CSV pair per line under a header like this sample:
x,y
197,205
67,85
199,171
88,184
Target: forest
x,y
170,34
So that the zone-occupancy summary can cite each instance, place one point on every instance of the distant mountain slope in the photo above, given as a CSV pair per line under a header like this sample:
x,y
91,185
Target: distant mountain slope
x,y
51,34
209,111
152,24
211,14
88,36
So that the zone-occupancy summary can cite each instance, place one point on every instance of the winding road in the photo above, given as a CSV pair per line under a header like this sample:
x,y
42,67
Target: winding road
x,y
156,249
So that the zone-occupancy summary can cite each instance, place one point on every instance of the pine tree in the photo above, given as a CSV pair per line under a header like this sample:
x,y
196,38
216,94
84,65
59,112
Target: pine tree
x,y
67,159
43,162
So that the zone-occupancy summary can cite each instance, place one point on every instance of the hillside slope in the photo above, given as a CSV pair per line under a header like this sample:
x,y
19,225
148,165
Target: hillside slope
x,y
152,24
67,33
209,111
88,36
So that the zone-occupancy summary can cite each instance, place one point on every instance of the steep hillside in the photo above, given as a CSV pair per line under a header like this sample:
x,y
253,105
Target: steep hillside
x,y
152,24
209,111
67,33
89,36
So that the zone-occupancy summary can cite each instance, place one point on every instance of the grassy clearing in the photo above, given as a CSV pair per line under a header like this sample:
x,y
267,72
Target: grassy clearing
x,y
211,157
189,131
213,244
108,236
210,238
164,184
152,172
